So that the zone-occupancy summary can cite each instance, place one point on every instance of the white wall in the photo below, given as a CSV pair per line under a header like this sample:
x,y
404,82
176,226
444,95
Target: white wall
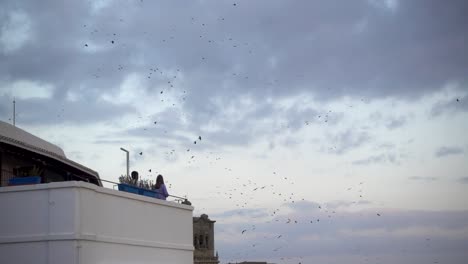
x,y
77,222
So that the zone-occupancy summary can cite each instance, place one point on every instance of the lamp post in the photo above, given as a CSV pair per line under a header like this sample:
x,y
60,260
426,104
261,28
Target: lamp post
x,y
128,160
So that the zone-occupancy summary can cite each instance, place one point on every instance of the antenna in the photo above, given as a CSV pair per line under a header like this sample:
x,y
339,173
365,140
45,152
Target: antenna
x,y
14,112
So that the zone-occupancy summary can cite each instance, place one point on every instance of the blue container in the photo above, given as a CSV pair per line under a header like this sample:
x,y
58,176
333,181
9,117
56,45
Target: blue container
x,y
133,189
128,188
148,193
25,180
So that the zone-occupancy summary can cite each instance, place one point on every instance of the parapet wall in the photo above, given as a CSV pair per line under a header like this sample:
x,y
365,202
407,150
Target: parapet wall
x,y
77,222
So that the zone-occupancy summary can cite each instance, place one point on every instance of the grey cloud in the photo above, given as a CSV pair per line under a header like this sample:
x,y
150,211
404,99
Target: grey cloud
x,y
419,178
162,144
375,116
386,146
382,158
109,141
313,207
5,111
390,122
325,57
263,120
240,47
164,126
52,111
447,151
298,118
345,141
304,206
396,122
232,131
234,137
459,104
330,236
464,180
370,160
346,204
249,213
291,141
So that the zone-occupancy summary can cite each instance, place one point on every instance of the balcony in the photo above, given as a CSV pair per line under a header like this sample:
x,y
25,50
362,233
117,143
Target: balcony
x,y
78,222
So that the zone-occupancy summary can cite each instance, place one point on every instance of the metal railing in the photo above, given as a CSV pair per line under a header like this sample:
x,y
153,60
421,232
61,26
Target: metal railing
x,y
178,199
7,175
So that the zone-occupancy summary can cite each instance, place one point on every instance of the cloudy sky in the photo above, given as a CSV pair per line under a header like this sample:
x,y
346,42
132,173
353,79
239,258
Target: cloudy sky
x,y
331,131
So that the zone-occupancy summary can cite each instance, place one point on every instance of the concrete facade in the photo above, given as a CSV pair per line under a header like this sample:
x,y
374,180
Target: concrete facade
x,y
80,223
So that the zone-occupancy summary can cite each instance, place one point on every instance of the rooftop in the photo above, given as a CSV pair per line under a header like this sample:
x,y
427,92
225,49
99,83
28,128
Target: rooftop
x,y
14,136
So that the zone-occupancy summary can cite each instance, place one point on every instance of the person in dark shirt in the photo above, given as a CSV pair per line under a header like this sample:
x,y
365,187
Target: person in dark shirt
x,y
134,176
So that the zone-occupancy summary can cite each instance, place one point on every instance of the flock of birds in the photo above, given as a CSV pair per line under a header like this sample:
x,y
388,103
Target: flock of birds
x,y
239,192
244,195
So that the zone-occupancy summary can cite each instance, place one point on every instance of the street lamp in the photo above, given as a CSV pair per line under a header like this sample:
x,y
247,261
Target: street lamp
x,y
128,160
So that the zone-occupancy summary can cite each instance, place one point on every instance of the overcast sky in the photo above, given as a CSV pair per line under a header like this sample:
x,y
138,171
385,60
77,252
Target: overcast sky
x,y
331,131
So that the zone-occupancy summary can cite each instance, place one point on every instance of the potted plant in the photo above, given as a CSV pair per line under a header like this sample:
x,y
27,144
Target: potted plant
x,y
34,177
127,184
35,172
133,185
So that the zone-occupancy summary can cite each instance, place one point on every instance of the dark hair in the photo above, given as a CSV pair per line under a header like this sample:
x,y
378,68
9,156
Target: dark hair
x,y
134,175
159,181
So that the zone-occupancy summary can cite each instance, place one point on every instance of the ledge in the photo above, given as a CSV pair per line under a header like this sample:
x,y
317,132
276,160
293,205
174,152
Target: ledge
x,y
80,184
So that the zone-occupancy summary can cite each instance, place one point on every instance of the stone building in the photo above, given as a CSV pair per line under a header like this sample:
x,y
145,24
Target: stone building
x,y
203,241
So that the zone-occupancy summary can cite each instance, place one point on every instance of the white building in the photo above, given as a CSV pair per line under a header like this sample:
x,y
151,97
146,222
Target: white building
x,y
70,221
